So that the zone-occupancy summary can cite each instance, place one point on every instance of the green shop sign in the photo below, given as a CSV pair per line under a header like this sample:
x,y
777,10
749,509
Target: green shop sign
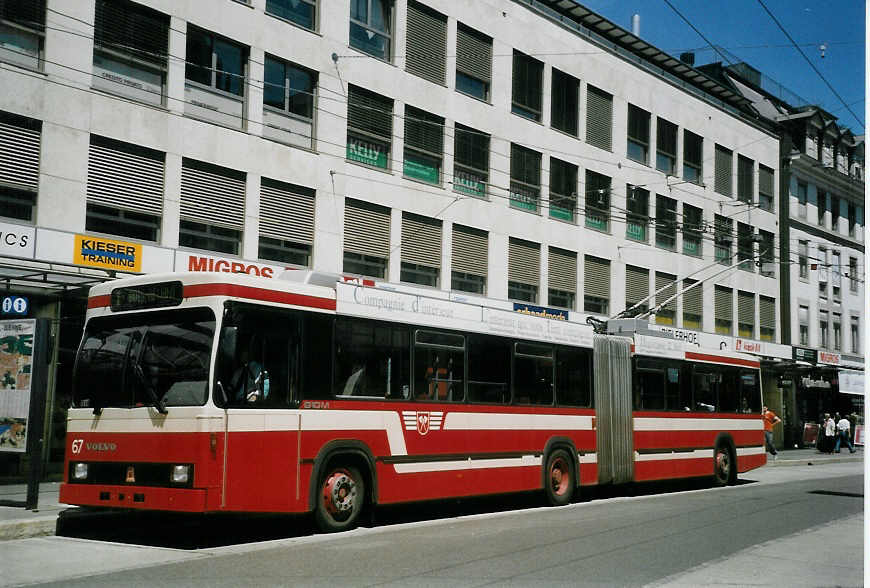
x,y
420,168
635,231
367,152
469,183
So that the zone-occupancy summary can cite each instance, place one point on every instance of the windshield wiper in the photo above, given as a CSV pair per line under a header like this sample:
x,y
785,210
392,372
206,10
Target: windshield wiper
x,y
143,379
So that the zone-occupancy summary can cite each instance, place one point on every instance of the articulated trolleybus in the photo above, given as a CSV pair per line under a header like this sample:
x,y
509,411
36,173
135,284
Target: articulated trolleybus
x,y
208,392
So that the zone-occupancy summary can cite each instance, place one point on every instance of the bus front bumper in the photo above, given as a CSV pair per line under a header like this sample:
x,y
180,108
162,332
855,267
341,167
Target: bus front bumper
x,y
138,497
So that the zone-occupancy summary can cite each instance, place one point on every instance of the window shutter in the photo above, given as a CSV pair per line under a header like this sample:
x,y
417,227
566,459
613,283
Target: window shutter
x,y
745,173
636,284
562,270
370,113
746,307
724,304
127,26
722,181
693,302
19,152
427,43
286,211
599,118
470,250
524,262
424,131
670,281
212,195
473,53
125,176
27,13
666,137
767,312
765,180
421,240
596,277
366,228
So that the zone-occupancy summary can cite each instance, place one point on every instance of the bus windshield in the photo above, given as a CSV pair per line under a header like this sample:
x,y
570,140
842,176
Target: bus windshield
x,y
146,359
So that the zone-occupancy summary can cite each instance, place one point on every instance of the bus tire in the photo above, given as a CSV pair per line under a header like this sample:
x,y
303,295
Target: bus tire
x,y
340,498
724,464
560,478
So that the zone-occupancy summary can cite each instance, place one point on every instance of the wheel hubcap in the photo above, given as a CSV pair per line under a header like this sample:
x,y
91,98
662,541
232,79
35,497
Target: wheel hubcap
x,y
723,463
559,477
339,493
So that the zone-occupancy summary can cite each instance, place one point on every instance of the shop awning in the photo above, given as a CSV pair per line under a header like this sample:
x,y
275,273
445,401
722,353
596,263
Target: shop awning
x,y
851,382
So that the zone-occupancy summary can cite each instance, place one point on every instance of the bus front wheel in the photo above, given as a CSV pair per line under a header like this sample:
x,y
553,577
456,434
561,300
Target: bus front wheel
x,y
724,464
340,499
559,483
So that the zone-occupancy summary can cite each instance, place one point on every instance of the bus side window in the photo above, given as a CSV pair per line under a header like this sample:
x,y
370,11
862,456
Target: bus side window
x,y
489,364
316,363
650,389
533,374
439,366
371,360
728,390
706,387
573,376
750,394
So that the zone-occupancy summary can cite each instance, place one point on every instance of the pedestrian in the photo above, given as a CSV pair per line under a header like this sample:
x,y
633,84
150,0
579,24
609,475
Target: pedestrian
x,y
843,427
830,430
770,419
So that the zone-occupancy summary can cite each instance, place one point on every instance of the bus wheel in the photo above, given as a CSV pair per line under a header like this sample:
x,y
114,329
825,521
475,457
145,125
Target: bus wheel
x,y
340,499
724,465
560,478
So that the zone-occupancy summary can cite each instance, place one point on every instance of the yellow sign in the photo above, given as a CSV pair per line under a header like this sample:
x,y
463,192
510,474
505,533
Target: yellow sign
x,y
107,254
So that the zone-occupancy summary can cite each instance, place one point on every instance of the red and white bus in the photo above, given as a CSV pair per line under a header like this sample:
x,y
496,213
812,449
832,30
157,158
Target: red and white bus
x,y
206,392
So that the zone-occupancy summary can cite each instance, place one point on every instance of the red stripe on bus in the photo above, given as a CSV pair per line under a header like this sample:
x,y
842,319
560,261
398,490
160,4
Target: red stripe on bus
x,y
253,293
98,301
720,359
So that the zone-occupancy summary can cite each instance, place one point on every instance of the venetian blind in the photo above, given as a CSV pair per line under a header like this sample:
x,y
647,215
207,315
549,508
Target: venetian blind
x,y
212,195
421,240
596,277
366,228
125,176
562,270
470,250
427,43
286,211
524,262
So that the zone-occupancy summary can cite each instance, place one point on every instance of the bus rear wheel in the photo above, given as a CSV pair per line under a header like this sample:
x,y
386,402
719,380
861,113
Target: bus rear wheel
x,y
560,478
340,498
724,465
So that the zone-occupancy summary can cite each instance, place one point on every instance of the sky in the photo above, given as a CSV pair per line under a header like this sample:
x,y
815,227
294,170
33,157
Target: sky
x,y
747,33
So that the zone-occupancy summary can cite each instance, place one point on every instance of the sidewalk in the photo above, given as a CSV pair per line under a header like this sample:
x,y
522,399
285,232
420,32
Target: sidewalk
x,y
17,523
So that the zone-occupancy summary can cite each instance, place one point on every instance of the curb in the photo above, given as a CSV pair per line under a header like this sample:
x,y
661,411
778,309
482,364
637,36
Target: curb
x,y
819,460
36,527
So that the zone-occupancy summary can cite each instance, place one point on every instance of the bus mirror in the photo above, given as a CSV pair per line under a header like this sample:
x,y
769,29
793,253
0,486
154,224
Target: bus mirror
x,y
227,349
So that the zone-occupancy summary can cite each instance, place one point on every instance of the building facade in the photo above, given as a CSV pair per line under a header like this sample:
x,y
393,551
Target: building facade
x,y
525,151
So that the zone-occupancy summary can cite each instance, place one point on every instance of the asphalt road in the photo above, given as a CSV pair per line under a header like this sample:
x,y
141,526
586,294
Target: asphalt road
x,y
631,537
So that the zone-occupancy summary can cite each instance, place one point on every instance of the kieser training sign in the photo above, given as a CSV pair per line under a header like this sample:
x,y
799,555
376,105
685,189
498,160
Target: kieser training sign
x,y
16,367
107,254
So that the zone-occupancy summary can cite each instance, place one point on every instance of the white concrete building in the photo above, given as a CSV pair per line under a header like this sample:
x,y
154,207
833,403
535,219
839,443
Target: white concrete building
x,y
531,152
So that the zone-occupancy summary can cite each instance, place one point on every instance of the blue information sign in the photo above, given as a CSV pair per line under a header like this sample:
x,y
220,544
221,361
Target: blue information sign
x,y
15,305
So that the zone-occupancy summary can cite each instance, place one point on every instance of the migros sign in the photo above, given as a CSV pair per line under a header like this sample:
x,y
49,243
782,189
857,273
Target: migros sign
x,y
192,262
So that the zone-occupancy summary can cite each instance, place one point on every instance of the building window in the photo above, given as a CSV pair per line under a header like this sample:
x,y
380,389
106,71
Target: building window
x,y
597,201
767,254
525,178
823,272
837,332
371,28
426,45
835,214
473,62
424,145
802,200
637,219
215,62
804,325
288,100
722,171
599,118
470,161
638,134
209,237
130,50
821,206
745,247
836,275
470,257
693,157
693,305
666,146
524,268
636,290
855,334
366,238
565,102
803,260
19,164
369,127
562,278
286,222
527,86
767,318
823,329
745,314
724,308
745,179
563,189
299,12
666,301
666,222
723,236
765,188
693,230
596,285
853,274
22,32
421,250
124,189
853,218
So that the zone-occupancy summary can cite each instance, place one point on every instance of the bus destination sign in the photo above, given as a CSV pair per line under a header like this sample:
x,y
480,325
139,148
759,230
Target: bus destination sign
x,y
146,296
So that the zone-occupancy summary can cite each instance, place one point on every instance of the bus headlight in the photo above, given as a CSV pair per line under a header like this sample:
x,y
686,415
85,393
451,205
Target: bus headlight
x,y
180,474
80,471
